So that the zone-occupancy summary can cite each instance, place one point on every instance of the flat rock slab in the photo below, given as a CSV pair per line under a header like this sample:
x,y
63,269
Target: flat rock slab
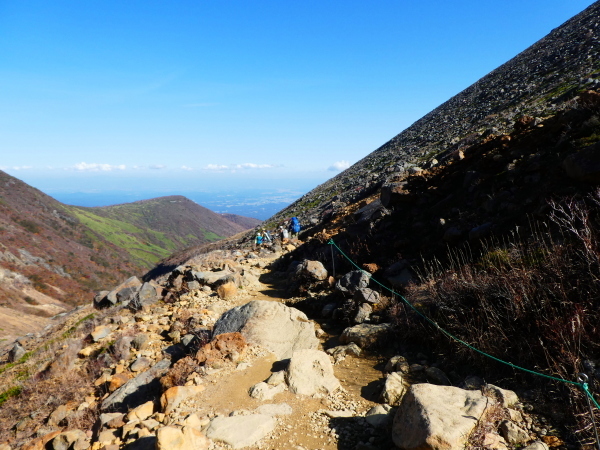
x,y
272,325
240,431
135,391
437,417
366,335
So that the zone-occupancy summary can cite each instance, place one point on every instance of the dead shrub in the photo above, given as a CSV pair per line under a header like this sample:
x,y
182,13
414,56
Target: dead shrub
x,y
530,301
179,373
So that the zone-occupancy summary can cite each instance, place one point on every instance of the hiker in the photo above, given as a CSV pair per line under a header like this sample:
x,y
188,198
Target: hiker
x,y
284,234
267,236
258,240
294,227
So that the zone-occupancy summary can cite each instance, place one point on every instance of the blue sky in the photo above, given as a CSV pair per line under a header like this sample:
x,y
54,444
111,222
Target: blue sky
x,y
218,95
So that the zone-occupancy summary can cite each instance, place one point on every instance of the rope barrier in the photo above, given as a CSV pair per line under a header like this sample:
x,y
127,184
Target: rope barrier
x,y
582,383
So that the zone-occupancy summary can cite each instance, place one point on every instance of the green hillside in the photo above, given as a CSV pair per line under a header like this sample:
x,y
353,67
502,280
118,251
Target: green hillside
x,y
145,245
150,230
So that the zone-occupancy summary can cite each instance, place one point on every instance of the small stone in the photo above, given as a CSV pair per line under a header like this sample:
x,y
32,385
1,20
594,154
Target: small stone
x,y
378,416
66,439
512,433
394,389
437,376
140,342
118,380
508,398
141,412
16,352
141,364
176,394
186,438
100,332
264,391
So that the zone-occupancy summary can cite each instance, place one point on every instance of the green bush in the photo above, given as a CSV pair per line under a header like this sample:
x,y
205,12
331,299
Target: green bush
x,y
12,392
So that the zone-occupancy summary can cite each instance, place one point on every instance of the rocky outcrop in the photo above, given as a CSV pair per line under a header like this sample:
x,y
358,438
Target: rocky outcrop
x,y
277,327
353,281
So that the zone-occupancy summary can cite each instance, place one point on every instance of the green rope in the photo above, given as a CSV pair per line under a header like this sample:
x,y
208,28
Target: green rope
x,y
583,386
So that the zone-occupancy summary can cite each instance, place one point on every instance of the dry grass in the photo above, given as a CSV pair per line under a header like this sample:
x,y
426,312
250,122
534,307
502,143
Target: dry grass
x,y
488,424
40,397
36,394
528,300
179,373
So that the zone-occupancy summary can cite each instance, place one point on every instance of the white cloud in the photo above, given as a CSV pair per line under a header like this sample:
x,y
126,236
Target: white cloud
x,y
216,167
338,166
157,166
186,168
244,166
254,166
95,167
3,167
22,167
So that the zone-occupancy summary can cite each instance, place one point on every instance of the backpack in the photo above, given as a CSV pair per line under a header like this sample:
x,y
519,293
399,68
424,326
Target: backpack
x,y
295,225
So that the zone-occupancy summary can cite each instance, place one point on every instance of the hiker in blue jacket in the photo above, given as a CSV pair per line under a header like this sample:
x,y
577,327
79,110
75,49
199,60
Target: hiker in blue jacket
x,y
294,227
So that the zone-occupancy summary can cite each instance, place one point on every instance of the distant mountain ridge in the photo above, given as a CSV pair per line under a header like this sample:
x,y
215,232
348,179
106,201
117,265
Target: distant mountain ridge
x,y
167,223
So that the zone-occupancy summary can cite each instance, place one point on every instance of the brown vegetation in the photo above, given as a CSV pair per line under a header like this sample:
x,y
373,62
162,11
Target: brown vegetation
x,y
531,301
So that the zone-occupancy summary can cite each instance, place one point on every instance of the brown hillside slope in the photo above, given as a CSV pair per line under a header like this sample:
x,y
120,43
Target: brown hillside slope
x,y
48,259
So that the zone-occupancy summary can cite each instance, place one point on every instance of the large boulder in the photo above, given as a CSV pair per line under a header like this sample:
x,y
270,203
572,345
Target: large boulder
x,y
146,294
366,295
310,372
394,193
278,328
122,292
16,352
311,271
437,417
352,281
65,361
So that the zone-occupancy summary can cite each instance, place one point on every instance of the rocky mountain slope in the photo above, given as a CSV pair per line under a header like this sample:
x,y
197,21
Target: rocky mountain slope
x,y
145,373
537,82
54,256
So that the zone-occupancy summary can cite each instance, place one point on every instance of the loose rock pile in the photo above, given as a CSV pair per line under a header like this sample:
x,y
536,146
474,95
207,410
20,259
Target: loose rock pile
x,y
180,359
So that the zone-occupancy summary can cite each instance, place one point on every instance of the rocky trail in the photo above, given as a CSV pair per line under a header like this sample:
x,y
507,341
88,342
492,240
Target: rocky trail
x,y
211,356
